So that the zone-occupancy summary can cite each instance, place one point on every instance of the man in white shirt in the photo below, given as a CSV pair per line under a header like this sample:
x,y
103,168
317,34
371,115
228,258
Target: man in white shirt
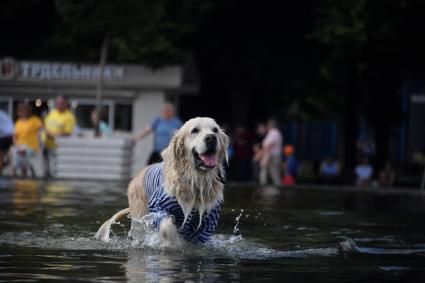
x,y
270,155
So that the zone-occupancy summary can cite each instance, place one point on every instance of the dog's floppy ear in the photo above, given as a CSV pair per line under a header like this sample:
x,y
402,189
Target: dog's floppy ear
x,y
224,144
175,150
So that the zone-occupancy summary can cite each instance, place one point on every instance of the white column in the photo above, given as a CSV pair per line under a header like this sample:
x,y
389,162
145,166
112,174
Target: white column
x,y
147,105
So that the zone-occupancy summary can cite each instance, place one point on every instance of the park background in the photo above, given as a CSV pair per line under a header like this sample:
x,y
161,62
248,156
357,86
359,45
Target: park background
x,y
332,72
342,77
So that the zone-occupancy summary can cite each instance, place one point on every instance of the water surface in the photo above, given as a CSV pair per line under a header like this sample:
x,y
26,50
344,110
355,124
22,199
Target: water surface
x,y
265,234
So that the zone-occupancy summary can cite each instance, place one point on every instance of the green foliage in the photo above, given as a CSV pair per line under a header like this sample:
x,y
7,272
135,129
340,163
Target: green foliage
x,y
341,23
360,40
153,32
351,29
341,27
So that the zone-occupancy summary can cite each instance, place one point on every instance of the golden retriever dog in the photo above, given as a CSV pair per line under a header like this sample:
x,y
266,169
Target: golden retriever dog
x,y
186,189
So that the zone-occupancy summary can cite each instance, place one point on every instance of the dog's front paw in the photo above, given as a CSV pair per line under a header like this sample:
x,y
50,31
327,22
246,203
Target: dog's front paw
x,y
168,234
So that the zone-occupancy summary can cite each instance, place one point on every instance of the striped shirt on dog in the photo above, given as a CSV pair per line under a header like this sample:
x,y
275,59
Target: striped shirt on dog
x,y
160,201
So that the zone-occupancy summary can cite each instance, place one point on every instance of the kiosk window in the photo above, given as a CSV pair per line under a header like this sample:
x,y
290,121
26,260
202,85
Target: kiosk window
x,y
123,117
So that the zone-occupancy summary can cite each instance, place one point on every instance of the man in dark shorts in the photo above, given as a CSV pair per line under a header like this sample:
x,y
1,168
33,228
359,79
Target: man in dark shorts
x,y
6,136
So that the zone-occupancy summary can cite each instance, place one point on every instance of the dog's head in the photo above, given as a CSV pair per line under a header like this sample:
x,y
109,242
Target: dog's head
x,y
199,142
193,165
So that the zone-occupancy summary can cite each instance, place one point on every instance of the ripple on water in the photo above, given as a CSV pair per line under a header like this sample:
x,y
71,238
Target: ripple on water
x,y
221,245
143,236
349,245
391,268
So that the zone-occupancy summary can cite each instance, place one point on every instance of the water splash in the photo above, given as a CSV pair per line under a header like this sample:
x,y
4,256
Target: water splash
x,y
221,245
237,221
143,235
143,231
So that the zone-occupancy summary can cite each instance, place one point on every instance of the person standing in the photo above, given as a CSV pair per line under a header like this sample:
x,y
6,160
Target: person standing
x,y
6,137
162,129
59,122
26,138
270,154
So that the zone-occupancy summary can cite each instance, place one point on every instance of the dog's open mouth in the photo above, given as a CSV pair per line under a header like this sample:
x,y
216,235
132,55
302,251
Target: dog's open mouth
x,y
206,160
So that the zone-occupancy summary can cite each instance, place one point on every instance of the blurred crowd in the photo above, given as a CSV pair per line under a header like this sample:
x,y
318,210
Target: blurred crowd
x,y
265,158
261,156
32,135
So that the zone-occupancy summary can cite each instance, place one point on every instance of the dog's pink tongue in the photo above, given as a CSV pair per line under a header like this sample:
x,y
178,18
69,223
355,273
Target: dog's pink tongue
x,y
209,160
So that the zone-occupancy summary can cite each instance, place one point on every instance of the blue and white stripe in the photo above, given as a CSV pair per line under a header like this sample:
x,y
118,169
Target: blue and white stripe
x,y
161,201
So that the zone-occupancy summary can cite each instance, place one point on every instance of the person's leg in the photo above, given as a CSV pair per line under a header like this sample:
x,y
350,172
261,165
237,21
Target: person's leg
x,y
274,169
263,175
53,157
24,171
46,163
19,160
25,154
30,158
24,162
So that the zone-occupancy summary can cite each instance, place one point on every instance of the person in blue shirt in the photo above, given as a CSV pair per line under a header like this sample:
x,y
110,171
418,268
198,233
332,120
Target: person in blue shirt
x,y
330,170
162,129
6,136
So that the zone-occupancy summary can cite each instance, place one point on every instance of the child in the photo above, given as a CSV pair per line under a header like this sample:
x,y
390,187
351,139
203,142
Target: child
x,y
364,172
26,141
104,128
290,166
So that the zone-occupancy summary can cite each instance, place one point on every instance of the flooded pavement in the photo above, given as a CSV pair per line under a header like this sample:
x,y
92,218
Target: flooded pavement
x,y
265,234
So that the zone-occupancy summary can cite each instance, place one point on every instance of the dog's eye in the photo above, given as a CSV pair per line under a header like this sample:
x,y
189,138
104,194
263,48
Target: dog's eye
x,y
195,130
215,130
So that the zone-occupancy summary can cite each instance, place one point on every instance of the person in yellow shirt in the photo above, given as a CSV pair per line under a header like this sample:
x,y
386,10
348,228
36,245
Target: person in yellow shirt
x,y
59,122
26,138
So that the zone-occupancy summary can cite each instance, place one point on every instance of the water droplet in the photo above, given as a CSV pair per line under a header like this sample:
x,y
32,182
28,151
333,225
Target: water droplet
x,y
237,219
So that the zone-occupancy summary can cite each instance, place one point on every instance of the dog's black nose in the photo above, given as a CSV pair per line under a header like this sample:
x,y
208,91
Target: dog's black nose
x,y
211,141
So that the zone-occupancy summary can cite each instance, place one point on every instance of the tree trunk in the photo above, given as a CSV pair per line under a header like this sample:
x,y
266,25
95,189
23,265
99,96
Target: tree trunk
x,y
99,93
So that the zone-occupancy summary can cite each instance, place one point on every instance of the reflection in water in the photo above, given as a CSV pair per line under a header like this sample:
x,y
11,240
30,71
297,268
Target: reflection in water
x,y
281,234
56,193
170,266
267,195
26,197
29,196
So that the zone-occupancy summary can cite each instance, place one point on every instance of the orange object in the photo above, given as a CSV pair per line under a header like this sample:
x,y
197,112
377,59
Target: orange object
x,y
288,150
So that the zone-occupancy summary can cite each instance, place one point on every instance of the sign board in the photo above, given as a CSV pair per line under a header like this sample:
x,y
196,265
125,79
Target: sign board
x,y
10,69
